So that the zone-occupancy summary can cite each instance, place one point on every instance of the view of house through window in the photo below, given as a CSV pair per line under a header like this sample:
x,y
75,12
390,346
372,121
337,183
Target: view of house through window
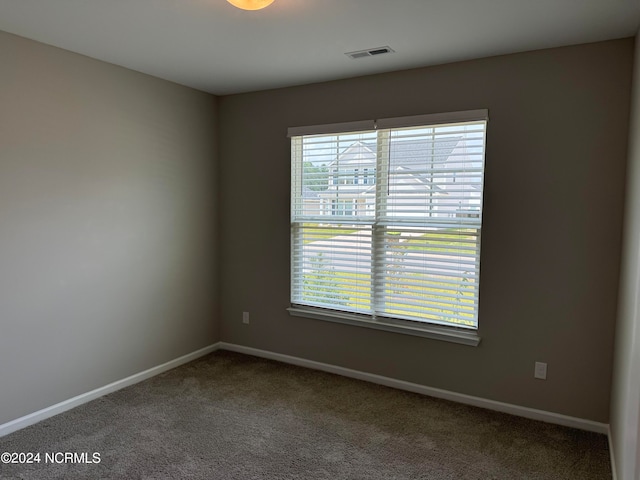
x,y
386,222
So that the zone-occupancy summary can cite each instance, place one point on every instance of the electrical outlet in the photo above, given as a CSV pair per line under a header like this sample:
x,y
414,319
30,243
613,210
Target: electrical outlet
x,y
540,371
245,317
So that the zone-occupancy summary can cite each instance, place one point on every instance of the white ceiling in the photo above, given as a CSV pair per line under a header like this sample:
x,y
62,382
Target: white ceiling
x,y
212,46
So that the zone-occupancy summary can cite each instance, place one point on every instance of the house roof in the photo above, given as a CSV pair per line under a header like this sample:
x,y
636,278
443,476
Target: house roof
x,y
308,193
360,153
405,155
402,152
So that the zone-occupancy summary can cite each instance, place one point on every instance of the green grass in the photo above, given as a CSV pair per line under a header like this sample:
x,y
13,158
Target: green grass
x,y
439,243
351,284
353,288
428,242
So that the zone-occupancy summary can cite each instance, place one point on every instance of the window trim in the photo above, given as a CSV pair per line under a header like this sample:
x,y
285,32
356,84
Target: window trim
x,y
392,122
453,334
445,333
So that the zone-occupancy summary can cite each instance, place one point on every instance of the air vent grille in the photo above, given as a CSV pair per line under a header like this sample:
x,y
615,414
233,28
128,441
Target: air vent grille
x,y
371,52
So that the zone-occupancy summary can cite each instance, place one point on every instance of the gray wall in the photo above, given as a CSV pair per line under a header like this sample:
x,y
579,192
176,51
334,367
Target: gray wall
x,y
625,397
555,170
107,224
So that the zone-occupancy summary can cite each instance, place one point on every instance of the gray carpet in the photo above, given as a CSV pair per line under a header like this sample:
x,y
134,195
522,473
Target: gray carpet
x,y
231,416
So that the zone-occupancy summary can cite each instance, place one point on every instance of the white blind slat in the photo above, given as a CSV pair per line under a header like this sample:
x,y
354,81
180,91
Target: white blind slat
x,y
387,222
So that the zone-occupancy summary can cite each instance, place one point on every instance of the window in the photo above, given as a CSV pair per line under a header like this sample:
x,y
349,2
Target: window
x,y
402,248
341,207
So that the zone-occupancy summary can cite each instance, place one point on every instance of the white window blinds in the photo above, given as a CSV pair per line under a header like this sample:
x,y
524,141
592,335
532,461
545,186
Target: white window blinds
x,y
386,222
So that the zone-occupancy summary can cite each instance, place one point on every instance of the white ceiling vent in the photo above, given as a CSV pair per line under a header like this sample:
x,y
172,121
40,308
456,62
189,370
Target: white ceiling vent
x,y
371,52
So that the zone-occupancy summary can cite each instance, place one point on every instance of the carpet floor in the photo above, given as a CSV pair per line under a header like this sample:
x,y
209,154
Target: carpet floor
x,y
231,416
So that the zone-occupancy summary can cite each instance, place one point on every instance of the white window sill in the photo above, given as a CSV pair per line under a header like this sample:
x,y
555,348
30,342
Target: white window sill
x,y
446,334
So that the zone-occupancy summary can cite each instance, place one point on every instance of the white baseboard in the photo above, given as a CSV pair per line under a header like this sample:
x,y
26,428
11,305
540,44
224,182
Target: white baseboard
x,y
517,410
612,457
40,415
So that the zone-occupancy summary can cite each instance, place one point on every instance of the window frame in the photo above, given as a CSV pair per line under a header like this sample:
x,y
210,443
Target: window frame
x,y
448,333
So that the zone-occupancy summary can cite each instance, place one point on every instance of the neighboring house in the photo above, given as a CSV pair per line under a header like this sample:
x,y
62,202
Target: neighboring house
x,y
351,182
312,204
421,169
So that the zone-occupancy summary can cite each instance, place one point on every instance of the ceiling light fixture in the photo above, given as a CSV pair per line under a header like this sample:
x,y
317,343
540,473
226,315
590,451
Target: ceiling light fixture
x,y
250,4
